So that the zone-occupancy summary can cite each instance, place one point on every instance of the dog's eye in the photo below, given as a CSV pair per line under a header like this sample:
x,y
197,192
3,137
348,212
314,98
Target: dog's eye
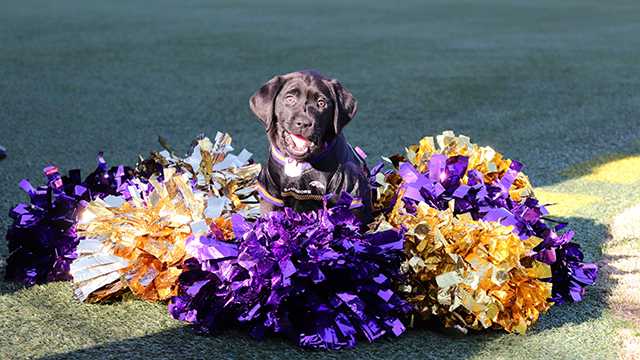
x,y
322,103
290,99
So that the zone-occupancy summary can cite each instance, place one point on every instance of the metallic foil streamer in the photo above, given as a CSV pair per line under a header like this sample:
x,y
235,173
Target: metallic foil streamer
x,y
173,198
315,277
470,273
42,238
140,242
448,173
213,169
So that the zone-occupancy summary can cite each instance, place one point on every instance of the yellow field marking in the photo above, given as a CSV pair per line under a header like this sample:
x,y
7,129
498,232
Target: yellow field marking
x,y
566,204
616,171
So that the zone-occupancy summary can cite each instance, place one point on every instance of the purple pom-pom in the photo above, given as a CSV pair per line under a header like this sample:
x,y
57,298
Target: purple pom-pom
x,y
571,275
315,277
42,238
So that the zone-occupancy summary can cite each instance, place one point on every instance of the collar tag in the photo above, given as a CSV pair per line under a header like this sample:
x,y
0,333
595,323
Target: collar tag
x,y
292,168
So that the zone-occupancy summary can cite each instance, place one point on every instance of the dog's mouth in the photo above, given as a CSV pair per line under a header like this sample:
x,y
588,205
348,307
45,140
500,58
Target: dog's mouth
x,y
298,146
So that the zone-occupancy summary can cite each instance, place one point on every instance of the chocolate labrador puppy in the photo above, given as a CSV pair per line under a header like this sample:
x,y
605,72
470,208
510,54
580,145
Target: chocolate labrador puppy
x,y
304,113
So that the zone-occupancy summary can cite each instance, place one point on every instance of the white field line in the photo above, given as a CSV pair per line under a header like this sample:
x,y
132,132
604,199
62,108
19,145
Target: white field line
x,y
622,263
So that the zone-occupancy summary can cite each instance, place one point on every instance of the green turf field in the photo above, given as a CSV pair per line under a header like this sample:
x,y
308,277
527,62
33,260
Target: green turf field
x,y
552,83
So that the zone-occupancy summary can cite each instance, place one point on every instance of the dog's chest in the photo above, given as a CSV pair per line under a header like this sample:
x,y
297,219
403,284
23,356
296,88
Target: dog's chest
x,y
303,182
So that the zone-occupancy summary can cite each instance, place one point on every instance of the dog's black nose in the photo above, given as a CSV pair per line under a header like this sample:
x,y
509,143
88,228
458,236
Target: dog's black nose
x,y
301,123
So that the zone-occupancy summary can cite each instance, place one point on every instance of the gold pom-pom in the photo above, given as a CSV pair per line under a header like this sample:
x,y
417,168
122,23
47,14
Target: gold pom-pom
x,y
484,159
139,244
471,274
145,236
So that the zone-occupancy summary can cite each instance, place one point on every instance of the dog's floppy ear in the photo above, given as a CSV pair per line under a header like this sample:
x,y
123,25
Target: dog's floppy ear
x,y
263,101
346,106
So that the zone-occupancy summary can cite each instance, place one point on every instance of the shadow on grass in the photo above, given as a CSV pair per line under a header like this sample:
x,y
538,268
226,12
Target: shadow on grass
x,y
182,342
7,287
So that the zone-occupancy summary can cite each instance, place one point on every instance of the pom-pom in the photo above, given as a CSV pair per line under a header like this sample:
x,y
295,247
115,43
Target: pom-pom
x,y
214,169
479,185
140,242
571,275
472,274
42,238
315,277
137,241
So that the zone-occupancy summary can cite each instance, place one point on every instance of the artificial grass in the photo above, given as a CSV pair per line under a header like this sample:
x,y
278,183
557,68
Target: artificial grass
x,y
549,83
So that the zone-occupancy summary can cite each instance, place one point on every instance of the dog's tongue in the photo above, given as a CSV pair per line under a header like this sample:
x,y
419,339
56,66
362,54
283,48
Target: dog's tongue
x,y
301,142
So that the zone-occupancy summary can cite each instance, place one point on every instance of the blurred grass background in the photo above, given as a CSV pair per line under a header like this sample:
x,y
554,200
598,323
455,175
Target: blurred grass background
x,y
552,83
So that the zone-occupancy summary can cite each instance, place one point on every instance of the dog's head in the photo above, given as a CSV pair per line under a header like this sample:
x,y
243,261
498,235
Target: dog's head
x,y
302,111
